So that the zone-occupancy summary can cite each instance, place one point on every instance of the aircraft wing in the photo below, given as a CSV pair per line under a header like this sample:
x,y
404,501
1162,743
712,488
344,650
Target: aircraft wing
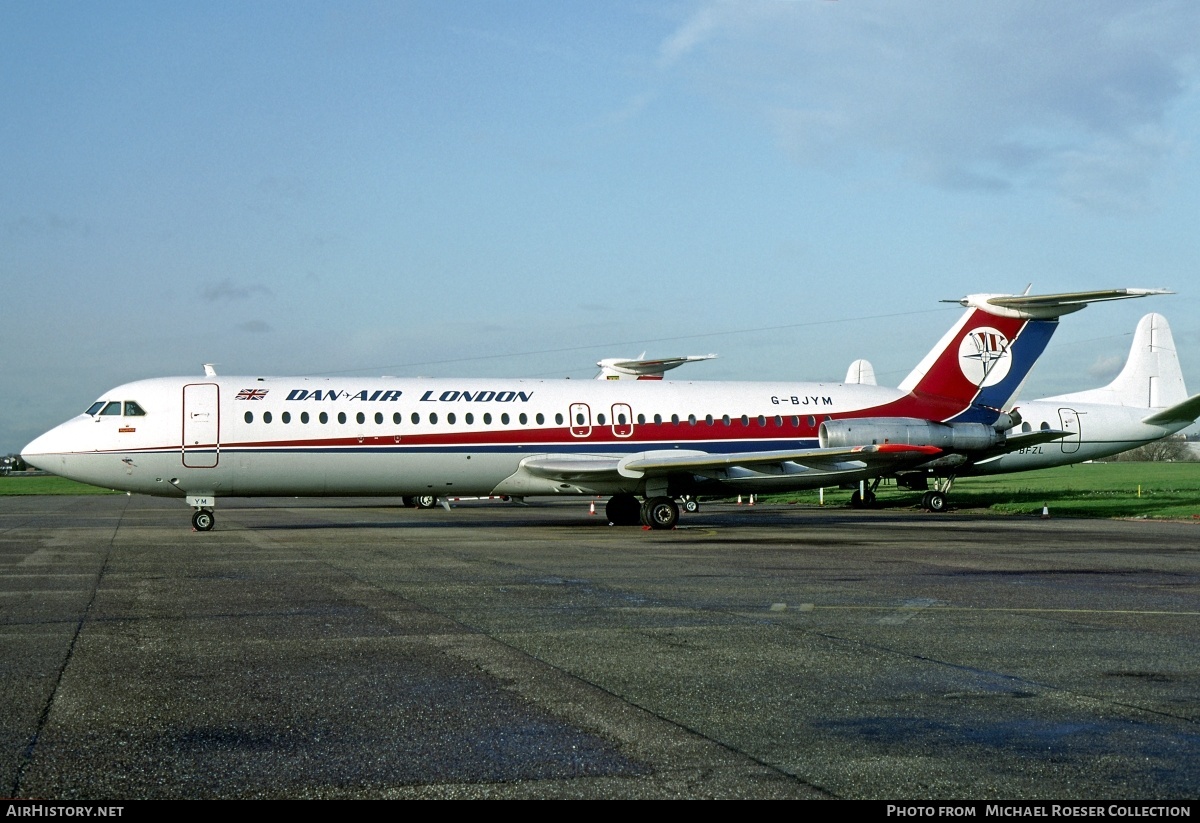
x,y
1185,412
582,467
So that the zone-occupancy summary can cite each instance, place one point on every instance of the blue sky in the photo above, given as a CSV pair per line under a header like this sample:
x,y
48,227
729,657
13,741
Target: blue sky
x,y
522,188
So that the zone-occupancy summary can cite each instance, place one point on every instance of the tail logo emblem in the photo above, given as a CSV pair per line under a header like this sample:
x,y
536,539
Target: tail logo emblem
x,y
984,356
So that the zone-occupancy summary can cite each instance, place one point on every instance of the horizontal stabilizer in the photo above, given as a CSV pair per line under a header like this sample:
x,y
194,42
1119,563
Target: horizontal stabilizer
x,y
1185,412
643,368
1048,306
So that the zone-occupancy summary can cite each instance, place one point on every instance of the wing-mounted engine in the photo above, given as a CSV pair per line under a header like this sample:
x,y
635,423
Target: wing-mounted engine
x,y
909,431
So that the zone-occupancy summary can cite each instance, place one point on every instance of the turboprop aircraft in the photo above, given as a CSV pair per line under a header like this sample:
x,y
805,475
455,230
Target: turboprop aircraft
x,y
1146,402
208,437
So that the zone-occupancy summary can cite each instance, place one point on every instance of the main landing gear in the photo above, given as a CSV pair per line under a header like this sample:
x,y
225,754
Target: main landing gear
x,y
421,501
655,512
935,500
865,497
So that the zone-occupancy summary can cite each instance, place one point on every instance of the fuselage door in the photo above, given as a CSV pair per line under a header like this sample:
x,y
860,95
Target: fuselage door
x,y
581,419
622,420
201,422
1069,420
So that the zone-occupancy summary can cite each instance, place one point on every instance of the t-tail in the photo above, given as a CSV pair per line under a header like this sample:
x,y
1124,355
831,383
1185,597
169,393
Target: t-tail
x,y
979,366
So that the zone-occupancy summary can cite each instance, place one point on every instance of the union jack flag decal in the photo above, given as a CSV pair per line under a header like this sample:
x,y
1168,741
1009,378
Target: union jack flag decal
x,y
252,394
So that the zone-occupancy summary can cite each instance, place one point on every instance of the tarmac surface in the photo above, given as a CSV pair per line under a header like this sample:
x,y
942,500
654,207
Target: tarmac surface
x,y
352,648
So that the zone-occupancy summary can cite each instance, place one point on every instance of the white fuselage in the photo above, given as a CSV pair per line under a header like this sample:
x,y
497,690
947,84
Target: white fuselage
x,y
235,436
1095,430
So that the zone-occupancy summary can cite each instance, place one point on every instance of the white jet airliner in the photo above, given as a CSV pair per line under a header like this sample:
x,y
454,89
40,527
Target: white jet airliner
x,y
210,437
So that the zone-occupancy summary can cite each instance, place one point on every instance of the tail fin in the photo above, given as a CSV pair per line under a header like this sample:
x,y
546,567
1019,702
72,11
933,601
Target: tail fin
x,y
1152,377
861,373
979,365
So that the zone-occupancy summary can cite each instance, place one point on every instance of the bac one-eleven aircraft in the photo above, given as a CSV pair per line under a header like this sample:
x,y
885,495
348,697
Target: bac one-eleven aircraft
x,y
209,437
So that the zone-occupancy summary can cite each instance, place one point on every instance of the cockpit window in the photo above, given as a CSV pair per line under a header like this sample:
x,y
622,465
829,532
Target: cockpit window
x,y
132,409
95,407
112,408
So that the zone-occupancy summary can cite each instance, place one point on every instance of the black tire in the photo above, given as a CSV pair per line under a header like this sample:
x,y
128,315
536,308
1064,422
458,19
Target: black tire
x,y
856,501
935,501
408,502
203,520
691,505
426,501
660,513
623,510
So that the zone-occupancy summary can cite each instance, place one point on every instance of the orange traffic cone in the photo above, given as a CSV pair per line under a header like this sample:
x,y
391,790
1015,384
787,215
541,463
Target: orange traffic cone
x,y
592,507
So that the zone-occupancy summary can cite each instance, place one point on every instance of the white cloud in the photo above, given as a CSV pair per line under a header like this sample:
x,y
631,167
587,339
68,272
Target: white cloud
x,y
1068,96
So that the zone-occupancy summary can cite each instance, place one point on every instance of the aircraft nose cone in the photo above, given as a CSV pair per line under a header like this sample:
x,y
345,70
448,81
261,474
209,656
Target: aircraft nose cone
x,y
44,452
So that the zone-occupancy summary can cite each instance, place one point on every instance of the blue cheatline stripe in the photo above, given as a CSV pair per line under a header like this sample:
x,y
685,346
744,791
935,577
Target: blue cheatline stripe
x,y
1028,346
713,447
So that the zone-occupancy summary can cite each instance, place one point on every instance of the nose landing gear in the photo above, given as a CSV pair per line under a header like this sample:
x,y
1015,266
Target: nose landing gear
x,y
203,520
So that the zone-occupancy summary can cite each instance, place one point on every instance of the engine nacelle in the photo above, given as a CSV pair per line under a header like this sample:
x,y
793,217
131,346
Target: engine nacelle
x,y
908,431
